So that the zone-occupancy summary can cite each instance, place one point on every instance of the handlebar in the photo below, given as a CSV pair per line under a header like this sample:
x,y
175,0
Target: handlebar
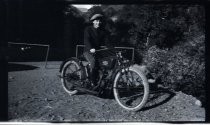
x,y
122,51
131,49
101,49
105,52
111,52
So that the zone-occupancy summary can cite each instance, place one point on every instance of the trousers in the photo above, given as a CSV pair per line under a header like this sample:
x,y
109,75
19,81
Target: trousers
x,y
94,65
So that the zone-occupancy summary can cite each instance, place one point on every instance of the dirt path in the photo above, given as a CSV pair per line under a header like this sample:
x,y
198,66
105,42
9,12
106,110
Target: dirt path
x,y
36,94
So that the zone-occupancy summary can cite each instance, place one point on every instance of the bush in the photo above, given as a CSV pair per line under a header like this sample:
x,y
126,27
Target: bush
x,y
181,68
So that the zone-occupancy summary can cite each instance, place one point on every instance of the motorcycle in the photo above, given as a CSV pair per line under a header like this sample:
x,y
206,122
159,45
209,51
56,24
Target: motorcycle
x,y
117,76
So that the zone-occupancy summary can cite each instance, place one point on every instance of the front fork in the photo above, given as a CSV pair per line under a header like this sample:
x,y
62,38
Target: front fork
x,y
125,71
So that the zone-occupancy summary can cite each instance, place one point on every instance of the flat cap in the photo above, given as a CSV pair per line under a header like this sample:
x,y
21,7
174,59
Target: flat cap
x,y
96,16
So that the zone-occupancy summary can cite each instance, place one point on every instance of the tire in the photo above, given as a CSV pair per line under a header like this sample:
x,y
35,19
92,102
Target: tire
x,y
126,83
70,76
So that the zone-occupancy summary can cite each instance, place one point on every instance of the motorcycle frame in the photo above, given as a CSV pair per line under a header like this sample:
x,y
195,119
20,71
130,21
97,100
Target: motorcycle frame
x,y
117,68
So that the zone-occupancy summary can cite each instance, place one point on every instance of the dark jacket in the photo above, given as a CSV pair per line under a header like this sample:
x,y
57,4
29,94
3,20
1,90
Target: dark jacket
x,y
94,38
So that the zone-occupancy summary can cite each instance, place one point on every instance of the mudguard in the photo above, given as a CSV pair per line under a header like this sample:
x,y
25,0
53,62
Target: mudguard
x,y
141,68
63,63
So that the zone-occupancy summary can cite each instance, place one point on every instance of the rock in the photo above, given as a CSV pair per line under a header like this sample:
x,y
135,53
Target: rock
x,y
48,100
151,80
198,103
48,106
177,97
10,77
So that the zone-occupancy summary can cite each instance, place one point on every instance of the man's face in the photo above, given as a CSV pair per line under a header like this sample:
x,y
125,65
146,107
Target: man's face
x,y
96,23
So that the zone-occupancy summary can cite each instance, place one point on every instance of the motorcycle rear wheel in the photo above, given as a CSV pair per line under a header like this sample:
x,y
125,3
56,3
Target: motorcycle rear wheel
x,y
70,76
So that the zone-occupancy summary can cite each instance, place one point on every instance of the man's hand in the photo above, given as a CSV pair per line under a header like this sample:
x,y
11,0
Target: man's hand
x,y
92,50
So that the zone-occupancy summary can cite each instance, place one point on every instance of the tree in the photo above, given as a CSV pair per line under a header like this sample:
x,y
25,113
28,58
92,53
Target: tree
x,y
93,10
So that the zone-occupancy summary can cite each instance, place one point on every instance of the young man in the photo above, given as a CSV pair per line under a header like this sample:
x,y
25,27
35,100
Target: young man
x,y
94,38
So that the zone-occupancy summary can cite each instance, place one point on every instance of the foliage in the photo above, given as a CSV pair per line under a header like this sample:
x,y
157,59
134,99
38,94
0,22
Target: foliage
x,y
182,68
93,10
171,40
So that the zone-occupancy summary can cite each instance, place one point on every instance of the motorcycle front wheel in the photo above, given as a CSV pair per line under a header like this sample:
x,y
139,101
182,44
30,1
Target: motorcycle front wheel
x,y
131,89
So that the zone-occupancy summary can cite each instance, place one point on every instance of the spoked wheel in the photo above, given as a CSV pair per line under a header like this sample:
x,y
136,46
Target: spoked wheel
x,y
131,89
71,76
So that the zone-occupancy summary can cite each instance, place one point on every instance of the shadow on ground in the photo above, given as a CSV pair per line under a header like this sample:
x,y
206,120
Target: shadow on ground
x,y
158,97
20,67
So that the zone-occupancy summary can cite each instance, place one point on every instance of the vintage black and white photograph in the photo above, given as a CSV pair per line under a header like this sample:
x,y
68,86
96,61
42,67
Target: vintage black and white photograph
x,y
90,62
